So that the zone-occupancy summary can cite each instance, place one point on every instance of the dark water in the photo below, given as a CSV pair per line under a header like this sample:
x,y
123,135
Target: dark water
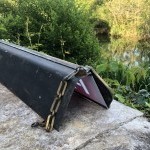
x,y
126,51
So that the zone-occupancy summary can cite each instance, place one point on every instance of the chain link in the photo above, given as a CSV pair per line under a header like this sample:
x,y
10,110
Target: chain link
x,y
57,100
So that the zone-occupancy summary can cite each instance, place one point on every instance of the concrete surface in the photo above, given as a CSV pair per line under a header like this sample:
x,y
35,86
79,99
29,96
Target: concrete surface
x,y
86,126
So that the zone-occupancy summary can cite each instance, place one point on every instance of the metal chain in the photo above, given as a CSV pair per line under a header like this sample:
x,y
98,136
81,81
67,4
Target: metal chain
x,y
57,100
55,105
49,123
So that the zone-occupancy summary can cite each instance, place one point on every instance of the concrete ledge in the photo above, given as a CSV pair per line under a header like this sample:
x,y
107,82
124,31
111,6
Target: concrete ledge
x,y
134,135
85,125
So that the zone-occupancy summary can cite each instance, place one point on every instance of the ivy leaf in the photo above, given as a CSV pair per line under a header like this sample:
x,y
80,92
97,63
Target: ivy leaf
x,y
120,98
101,68
113,66
147,104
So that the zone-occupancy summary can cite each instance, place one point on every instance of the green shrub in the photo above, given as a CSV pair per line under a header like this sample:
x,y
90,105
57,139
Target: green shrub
x,y
131,84
58,28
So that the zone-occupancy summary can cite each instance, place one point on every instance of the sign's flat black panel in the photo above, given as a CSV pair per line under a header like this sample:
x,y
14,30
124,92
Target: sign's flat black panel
x,y
35,78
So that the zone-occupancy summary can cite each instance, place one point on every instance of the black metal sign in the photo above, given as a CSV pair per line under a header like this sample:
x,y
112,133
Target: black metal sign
x,y
46,84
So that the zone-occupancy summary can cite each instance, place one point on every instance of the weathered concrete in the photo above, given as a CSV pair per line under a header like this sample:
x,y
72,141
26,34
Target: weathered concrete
x,y
86,126
134,135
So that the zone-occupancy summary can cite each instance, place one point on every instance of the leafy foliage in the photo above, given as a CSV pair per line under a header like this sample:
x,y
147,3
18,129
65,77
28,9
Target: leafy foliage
x,y
131,84
126,63
58,28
